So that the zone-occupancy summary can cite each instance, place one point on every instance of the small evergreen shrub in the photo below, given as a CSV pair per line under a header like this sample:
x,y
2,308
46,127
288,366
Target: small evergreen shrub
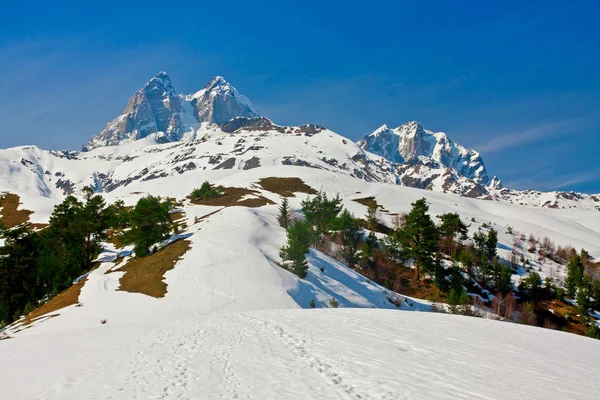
x,y
206,191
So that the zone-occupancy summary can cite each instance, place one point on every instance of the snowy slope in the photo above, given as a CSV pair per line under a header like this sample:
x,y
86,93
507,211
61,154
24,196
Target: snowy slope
x,y
312,354
230,325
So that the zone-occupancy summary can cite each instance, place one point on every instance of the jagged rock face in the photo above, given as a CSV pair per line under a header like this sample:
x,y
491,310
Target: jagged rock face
x,y
155,108
219,102
250,124
411,142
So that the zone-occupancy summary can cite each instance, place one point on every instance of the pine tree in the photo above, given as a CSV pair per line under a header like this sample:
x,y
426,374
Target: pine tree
x,y
419,237
595,293
312,303
95,221
452,228
321,212
574,275
491,243
18,286
296,247
456,279
593,331
392,246
505,282
333,303
583,296
284,213
438,271
206,191
480,240
150,223
117,215
467,258
458,300
531,285
350,233
371,217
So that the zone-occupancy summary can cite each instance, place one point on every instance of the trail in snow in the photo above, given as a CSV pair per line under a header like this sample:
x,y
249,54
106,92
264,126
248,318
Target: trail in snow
x,y
300,354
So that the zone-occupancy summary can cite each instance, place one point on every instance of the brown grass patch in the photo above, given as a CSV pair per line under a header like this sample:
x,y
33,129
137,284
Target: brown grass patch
x,y
564,316
67,297
145,275
370,202
406,284
10,215
114,237
180,221
177,216
232,196
286,187
39,226
198,219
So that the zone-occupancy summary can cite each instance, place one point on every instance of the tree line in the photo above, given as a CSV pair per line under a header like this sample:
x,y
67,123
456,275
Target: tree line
x,y
442,255
37,265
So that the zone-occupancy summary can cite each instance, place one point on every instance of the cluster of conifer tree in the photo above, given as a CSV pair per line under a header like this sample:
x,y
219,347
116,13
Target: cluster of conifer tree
x,y
418,239
37,265
321,215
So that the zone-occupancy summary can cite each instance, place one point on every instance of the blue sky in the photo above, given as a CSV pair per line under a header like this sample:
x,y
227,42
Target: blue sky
x,y
518,81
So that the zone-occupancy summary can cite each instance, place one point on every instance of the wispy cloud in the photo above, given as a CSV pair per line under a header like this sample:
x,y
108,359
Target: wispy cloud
x,y
577,178
552,179
507,140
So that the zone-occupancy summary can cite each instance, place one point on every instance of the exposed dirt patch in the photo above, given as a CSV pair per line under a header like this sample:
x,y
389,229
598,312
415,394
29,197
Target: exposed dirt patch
x,y
177,216
66,298
179,219
370,202
10,215
233,196
286,187
198,219
145,275
381,228
563,316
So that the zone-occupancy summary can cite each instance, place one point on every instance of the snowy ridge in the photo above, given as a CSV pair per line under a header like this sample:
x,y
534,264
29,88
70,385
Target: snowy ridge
x,y
242,143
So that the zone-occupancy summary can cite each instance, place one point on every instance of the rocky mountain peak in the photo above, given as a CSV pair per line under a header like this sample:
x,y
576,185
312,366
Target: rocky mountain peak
x,y
216,81
157,108
495,183
411,128
219,102
411,143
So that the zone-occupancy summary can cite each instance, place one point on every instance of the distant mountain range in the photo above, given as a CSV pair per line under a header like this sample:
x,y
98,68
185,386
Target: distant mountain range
x,y
219,128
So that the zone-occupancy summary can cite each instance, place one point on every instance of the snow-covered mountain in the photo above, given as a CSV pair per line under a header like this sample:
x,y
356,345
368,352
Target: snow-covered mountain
x,y
161,134
410,143
157,108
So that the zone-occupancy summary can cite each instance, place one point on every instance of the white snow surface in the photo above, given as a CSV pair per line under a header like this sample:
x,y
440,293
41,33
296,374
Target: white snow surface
x,y
303,354
235,325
